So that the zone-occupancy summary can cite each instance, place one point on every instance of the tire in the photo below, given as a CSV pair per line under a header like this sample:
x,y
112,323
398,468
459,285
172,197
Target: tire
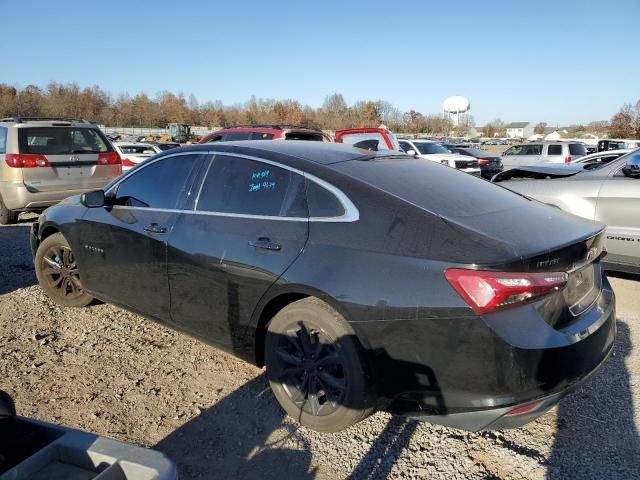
x,y
316,367
58,274
7,216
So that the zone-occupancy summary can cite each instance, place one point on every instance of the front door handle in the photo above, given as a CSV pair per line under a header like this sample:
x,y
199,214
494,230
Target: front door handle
x,y
155,228
265,244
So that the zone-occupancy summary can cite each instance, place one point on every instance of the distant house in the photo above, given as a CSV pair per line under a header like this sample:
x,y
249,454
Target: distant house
x,y
519,129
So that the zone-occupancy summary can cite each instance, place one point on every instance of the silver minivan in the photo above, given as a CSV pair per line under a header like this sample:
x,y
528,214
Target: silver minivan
x,y
45,160
552,152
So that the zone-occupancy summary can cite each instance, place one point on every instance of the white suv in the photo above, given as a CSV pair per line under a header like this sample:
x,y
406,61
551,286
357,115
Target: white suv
x,y
434,151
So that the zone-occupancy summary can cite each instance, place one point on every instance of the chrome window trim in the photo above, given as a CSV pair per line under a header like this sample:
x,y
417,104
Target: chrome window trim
x,y
352,214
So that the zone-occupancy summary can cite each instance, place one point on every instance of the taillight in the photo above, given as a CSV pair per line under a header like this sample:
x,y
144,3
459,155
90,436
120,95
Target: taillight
x,y
26,160
127,163
487,291
524,410
109,158
567,159
483,161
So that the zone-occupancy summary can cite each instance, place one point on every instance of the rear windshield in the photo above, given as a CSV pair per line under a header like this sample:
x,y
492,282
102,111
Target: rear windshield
x,y
61,141
137,149
430,148
475,152
314,137
577,149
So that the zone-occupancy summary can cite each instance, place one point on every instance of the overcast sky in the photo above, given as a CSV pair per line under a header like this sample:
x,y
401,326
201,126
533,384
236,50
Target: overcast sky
x,y
556,61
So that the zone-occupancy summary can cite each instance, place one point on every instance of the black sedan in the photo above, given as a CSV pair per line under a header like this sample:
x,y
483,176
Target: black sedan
x,y
490,164
360,281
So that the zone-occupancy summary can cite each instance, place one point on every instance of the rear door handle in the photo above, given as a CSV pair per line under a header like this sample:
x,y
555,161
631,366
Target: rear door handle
x,y
155,228
265,244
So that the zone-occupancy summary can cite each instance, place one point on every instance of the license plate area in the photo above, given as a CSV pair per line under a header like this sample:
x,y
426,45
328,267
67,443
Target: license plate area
x,y
583,288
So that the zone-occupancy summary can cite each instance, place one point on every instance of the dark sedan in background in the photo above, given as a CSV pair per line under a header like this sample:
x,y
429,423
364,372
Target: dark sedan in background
x,y
362,281
490,163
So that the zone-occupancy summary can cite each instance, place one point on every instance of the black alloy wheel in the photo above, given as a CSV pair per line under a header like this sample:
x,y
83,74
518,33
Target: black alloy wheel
x,y
316,366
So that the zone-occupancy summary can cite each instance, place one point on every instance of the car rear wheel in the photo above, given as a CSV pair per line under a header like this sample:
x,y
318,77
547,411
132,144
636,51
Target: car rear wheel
x,y
316,367
57,272
7,216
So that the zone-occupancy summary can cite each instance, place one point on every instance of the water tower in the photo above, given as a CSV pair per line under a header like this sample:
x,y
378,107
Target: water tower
x,y
454,106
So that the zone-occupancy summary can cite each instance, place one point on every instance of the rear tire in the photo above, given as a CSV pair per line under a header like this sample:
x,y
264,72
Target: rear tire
x,y
7,216
58,274
316,367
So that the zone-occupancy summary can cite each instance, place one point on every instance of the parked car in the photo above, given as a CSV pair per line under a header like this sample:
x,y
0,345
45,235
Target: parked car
x,y
362,280
611,144
490,163
606,192
266,132
437,153
600,158
555,152
45,160
369,138
133,153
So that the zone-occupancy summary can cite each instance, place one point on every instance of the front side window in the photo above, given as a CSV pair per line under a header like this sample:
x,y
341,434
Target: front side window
x,y
158,185
531,149
554,150
241,186
61,141
406,146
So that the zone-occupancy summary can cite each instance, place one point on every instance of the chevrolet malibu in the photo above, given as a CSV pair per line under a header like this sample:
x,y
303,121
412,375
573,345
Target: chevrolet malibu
x,y
361,281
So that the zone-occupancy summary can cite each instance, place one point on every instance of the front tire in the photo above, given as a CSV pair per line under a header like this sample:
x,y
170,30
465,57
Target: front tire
x,y
316,367
7,216
57,272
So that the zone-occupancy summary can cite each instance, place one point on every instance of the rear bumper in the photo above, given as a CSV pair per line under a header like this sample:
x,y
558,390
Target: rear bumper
x,y
469,372
17,197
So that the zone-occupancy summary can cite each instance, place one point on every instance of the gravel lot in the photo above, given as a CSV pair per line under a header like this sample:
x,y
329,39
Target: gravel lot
x,y
113,373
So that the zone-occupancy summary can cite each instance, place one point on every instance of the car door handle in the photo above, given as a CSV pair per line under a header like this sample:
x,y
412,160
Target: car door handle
x,y
265,244
155,228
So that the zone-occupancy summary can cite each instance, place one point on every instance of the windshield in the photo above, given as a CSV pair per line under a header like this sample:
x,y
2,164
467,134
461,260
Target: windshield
x,y
61,141
430,148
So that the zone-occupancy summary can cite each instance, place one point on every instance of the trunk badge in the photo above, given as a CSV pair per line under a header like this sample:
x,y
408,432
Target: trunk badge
x,y
74,158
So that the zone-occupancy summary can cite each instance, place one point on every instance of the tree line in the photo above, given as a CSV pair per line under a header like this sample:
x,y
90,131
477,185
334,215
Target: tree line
x,y
96,105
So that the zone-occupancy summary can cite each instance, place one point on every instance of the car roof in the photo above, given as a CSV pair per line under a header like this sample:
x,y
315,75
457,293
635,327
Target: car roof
x,y
420,140
323,153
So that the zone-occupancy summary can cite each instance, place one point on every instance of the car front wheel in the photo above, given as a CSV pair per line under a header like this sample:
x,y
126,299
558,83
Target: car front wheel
x,y
316,367
57,272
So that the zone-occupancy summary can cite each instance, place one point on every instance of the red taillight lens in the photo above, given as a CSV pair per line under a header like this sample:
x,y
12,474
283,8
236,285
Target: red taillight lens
x,y
109,158
567,159
26,160
530,408
488,291
483,161
128,163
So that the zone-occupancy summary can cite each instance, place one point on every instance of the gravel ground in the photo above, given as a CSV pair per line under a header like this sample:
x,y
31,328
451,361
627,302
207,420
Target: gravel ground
x,y
108,371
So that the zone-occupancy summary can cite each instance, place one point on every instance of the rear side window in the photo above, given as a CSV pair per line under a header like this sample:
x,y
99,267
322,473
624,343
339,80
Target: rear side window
x,y
313,137
246,187
232,136
261,136
3,140
158,185
406,146
61,141
577,149
322,203
554,150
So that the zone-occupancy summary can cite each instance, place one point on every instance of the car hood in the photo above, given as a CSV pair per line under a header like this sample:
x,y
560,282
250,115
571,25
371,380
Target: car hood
x,y
541,171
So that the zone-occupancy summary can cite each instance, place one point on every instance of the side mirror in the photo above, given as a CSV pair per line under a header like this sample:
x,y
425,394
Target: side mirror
x,y
93,199
411,152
